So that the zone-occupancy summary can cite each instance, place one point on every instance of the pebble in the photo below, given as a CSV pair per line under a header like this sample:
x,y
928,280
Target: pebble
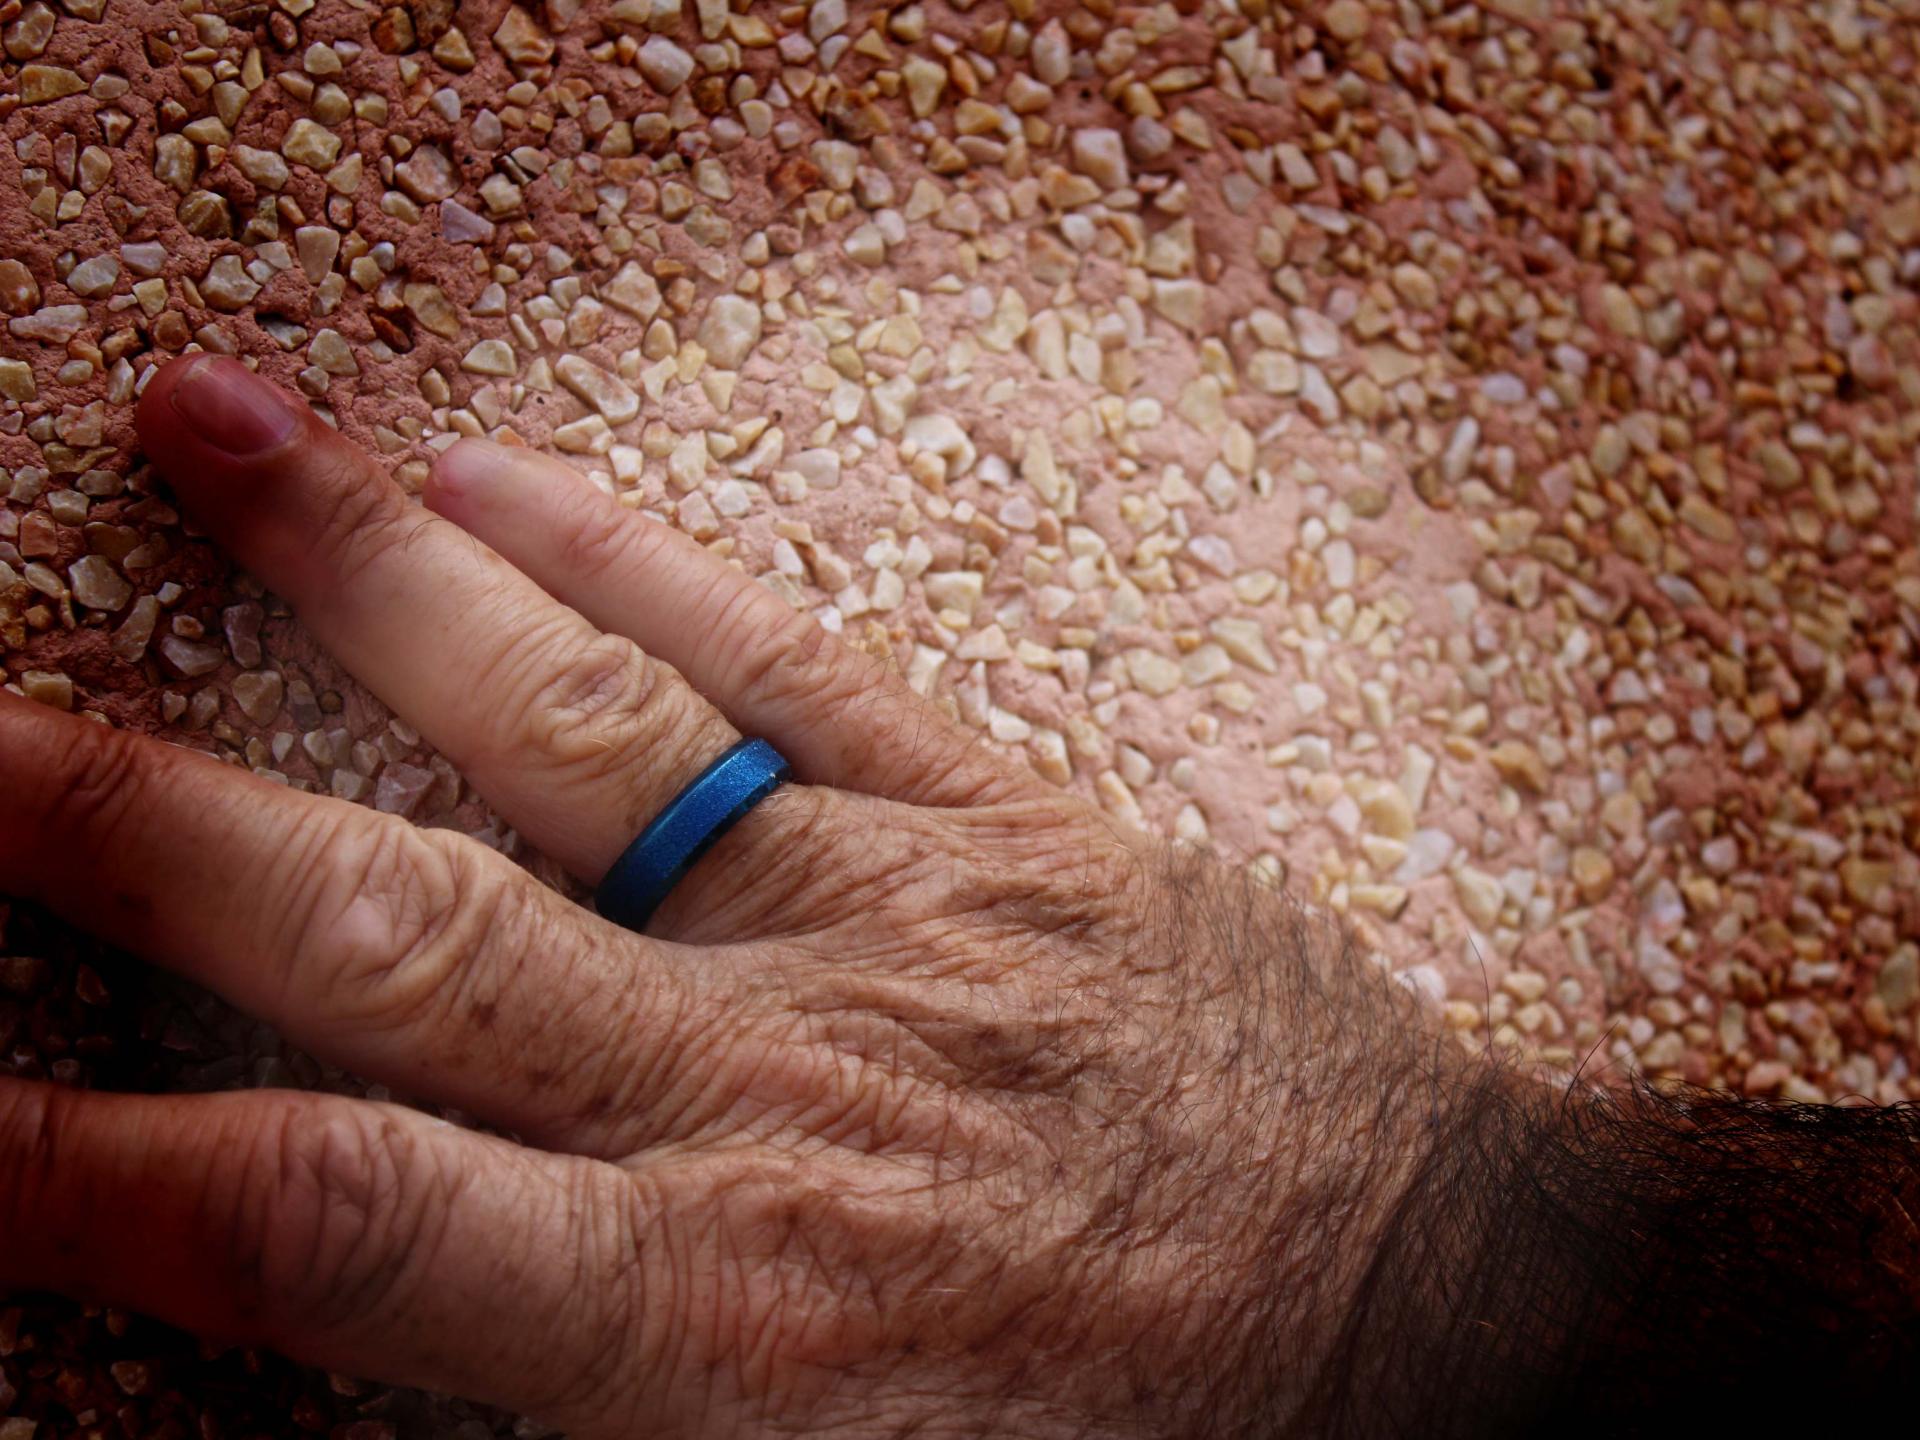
x,y
94,277
16,380
317,246
39,84
400,788
1428,852
1480,895
462,226
191,658
131,639
1153,673
19,291
1101,155
1348,20
330,351
241,625
730,330
97,585
258,693
50,325
519,37
603,391
1520,765
666,66
490,357
427,175
1898,980
310,143
1592,872
227,286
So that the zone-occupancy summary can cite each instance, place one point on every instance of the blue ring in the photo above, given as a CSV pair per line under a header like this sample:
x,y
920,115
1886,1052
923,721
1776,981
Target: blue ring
x,y
680,834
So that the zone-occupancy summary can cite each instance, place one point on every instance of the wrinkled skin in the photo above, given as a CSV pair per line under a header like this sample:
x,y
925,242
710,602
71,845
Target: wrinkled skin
x,y
932,1102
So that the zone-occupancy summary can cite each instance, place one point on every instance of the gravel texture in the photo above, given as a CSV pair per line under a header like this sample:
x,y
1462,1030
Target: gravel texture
x,y
1456,458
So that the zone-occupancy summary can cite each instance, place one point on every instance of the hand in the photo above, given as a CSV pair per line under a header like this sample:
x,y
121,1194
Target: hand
x,y
932,1103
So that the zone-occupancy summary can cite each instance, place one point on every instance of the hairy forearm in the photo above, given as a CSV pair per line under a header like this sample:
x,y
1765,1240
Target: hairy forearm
x,y
1577,1261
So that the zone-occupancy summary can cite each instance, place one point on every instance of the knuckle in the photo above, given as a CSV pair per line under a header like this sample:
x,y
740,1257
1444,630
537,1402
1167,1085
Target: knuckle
x,y
30,1138
562,688
597,540
605,704
794,660
350,1196
628,1287
401,913
605,682
358,517
96,784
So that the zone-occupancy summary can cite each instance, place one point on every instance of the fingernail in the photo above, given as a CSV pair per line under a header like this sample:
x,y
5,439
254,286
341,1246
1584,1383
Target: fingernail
x,y
233,409
471,467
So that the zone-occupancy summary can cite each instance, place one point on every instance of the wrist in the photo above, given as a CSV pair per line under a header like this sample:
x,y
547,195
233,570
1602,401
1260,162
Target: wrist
x,y
1576,1260
1391,1137
1432,1336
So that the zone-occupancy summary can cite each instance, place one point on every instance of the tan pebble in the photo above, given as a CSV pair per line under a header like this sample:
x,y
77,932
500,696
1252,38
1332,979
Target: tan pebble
x,y
191,657
42,83
730,330
1592,872
1416,286
94,277
1866,881
1348,20
926,82
1151,672
310,144
1480,895
330,351
227,286
1385,809
1387,900
429,305
489,357
97,585
258,694
427,175
1620,312
1101,155
520,38
604,391
1898,980
1780,467
19,291
1902,220
49,687
1520,765
316,245
1244,640
453,51
958,590
16,380
664,63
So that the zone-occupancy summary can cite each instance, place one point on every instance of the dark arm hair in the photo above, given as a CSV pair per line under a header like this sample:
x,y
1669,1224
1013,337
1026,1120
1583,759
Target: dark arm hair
x,y
1572,1261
